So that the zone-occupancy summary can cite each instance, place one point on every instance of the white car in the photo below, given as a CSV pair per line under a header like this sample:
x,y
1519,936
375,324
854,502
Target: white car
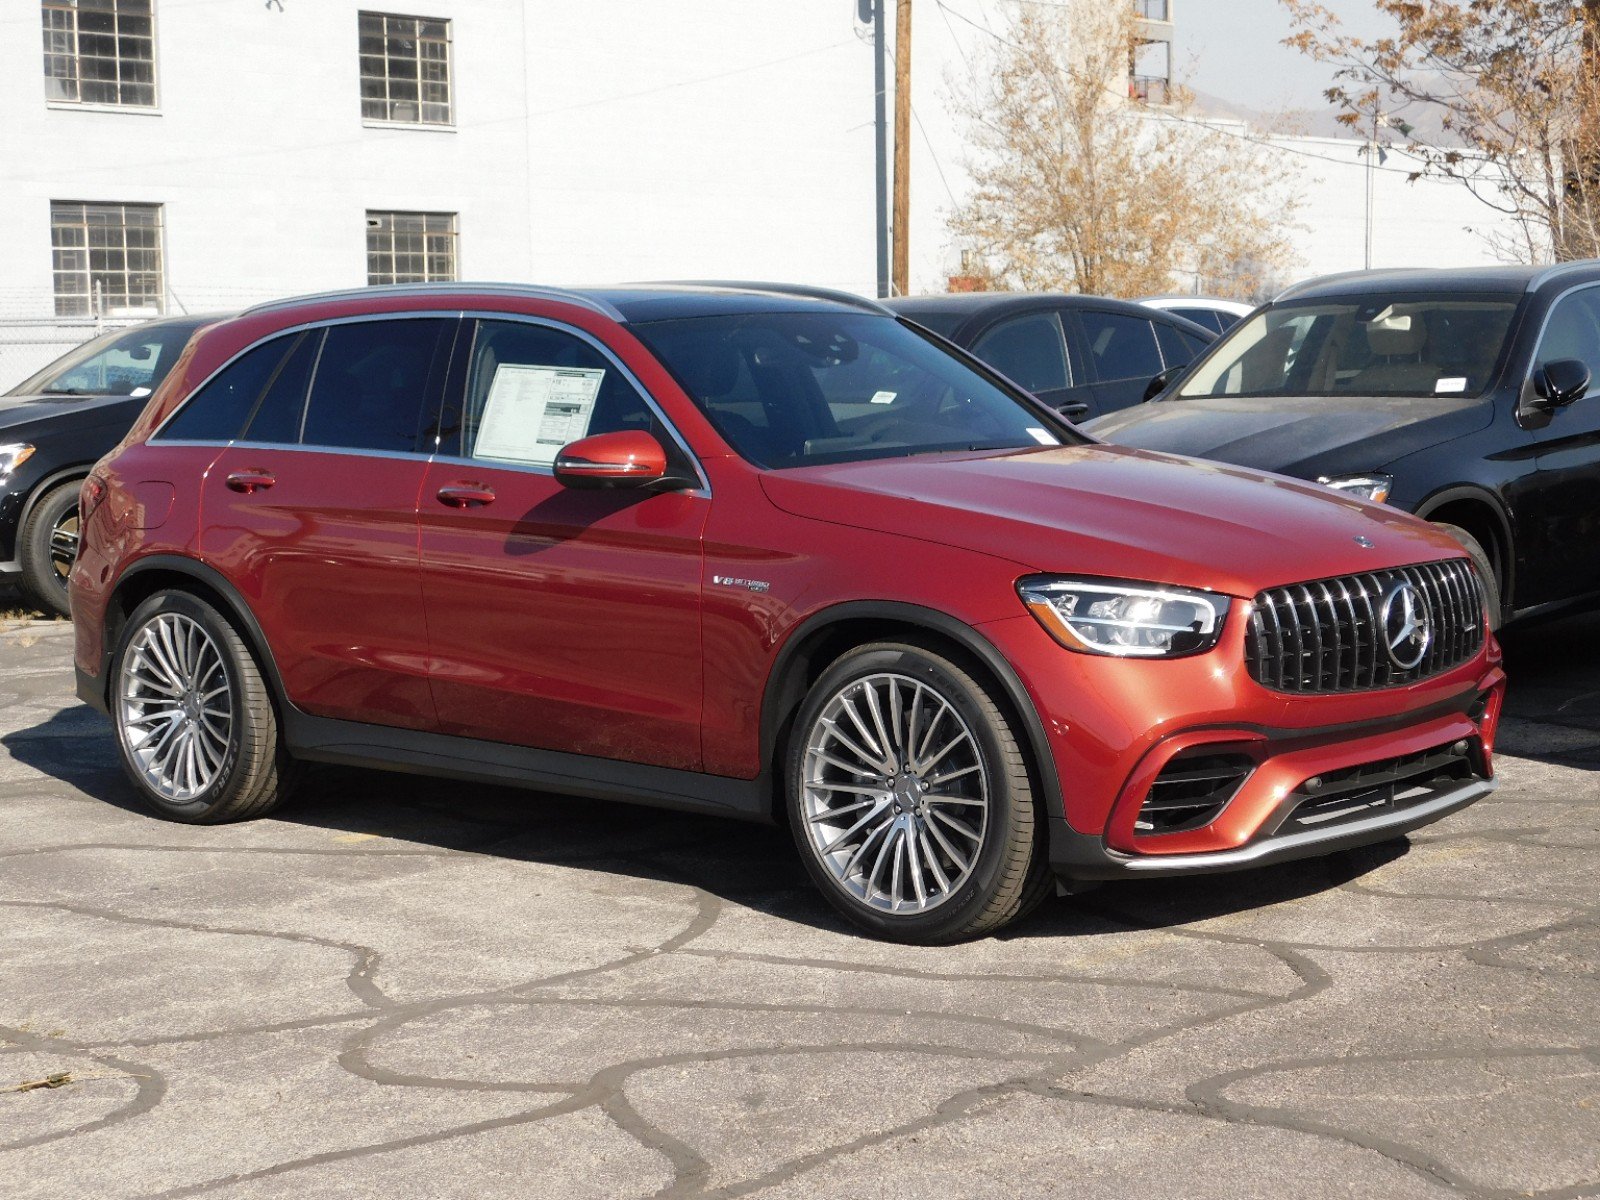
x,y
1208,311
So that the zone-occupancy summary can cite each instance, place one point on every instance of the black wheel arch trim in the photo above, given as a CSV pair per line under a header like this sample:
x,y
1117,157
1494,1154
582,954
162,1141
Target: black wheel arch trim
x,y
1478,494
785,690
45,486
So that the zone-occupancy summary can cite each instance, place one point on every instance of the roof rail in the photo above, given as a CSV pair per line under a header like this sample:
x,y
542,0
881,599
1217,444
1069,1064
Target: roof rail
x,y
529,291
785,289
1543,277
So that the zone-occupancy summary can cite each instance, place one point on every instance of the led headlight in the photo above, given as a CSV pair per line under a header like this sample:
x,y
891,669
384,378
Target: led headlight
x,y
12,456
1127,620
1369,487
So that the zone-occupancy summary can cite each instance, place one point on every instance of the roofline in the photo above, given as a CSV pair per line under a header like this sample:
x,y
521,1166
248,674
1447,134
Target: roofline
x,y
849,299
521,290
1560,269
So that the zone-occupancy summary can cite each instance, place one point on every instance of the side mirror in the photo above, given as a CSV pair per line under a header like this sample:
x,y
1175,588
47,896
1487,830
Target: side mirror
x,y
627,458
1163,381
1563,381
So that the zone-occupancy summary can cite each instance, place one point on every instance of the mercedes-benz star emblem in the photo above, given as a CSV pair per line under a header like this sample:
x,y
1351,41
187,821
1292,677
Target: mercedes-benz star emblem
x,y
1407,625
1364,542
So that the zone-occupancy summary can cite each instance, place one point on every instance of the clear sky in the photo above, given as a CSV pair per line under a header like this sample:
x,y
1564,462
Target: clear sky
x,y
1232,49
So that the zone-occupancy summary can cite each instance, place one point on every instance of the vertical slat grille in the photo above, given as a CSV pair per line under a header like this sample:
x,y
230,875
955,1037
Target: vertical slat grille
x,y
1328,635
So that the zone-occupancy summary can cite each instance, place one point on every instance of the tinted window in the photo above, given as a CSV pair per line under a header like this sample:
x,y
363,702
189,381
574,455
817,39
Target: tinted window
x,y
1179,347
1375,346
372,380
1574,332
1121,347
1027,350
532,389
278,413
219,410
125,363
791,389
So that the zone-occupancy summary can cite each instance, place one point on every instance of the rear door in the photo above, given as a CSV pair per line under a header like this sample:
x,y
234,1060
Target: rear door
x,y
1032,351
560,619
1122,354
312,514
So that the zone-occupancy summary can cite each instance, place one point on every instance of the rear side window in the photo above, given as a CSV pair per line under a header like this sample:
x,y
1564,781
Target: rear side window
x,y
278,413
219,410
1178,346
1121,347
1028,350
372,381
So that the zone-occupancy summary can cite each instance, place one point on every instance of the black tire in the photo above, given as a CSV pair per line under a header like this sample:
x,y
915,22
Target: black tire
x,y
43,578
1009,873
255,772
1480,558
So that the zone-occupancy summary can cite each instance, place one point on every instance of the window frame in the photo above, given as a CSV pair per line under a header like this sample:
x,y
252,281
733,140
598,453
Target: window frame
x,y
388,77
454,234
88,270
1071,368
1092,363
118,105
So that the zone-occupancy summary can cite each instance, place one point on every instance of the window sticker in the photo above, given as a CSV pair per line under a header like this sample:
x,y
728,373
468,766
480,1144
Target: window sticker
x,y
1450,383
884,397
1043,436
532,412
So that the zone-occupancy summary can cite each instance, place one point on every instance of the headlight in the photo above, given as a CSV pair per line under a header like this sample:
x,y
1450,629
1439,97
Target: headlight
x,y
12,456
1369,487
1128,620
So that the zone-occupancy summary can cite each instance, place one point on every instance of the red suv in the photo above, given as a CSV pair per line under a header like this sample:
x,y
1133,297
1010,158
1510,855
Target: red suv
x,y
770,553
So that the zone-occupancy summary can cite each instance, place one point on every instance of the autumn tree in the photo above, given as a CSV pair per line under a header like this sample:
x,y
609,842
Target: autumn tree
x,y
1502,95
1078,188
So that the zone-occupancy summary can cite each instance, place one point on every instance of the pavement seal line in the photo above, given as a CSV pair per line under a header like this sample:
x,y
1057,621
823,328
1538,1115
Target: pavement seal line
x,y
150,1085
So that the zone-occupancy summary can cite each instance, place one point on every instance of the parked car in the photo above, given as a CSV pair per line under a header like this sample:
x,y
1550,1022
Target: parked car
x,y
1213,312
764,553
1458,395
53,426
1085,356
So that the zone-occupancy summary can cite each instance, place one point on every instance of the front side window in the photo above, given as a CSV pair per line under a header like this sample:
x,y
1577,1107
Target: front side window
x,y
1573,331
106,259
1029,351
1376,346
405,69
532,389
121,363
1121,347
411,247
794,389
100,52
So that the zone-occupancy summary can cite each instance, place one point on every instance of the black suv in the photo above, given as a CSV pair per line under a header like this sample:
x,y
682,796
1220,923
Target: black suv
x,y
1457,395
1082,355
54,426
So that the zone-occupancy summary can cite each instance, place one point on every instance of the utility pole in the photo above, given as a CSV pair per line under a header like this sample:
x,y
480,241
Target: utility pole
x,y
872,10
902,146
1372,163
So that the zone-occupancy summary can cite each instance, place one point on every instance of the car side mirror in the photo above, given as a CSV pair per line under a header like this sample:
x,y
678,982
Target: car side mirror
x,y
1163,381
629,458
1563,381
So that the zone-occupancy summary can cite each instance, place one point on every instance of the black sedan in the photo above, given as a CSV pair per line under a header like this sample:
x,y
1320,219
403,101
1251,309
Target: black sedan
x,y
54,426
1463,396
1083,355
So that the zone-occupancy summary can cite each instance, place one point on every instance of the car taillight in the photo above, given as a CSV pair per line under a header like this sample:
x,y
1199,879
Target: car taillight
x,y
90,496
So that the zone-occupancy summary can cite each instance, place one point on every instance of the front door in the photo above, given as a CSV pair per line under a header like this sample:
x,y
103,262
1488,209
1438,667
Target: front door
x,y
312,514
559,619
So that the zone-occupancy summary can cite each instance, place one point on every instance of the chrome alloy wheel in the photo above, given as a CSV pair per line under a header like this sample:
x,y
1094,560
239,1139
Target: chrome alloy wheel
x,y
64,543
174,706
895,793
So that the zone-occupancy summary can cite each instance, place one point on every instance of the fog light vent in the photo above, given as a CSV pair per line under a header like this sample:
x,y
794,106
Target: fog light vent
x,y
1191,791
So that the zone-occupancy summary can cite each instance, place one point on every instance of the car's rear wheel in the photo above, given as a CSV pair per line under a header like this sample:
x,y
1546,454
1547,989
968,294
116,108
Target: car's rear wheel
x,y
49,546
910,797
194,719
1480,559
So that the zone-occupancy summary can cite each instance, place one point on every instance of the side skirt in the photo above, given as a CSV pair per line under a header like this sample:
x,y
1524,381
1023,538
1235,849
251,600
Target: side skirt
x,y
350,743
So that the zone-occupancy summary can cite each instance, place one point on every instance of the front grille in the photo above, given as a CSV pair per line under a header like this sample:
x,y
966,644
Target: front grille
x,y
1389,784
1328,635
1191,792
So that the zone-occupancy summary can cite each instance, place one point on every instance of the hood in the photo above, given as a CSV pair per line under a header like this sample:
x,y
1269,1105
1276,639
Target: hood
x,y
17,412
1110,511
1306,436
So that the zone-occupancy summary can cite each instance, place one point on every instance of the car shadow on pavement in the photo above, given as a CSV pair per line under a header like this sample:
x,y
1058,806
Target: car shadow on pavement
x,y
749,865
1552,708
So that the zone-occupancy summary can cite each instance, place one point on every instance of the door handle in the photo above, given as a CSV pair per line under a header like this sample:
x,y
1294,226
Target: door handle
x,y
1074,412
250,481
466,495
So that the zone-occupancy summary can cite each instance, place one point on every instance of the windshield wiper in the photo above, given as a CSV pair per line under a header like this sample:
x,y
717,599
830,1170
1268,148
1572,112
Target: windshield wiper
x,y
64,392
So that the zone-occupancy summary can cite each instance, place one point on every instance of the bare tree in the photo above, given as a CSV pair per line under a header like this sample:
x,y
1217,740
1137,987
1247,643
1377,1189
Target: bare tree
x,y
1080,189
1508,91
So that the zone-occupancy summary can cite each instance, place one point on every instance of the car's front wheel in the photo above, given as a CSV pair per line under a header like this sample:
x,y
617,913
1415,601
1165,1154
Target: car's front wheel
x,y
910,797
194,720
48,546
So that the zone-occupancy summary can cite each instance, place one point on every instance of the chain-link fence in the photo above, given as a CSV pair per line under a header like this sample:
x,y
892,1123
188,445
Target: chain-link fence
x,y
28,344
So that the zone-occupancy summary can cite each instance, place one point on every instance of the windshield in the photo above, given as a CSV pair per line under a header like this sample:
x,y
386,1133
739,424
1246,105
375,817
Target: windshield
x,y
793,389
1378,346
124,362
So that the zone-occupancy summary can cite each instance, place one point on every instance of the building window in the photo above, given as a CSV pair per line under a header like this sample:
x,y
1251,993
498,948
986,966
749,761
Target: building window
x,y
405,69
411,247
100,52
107,259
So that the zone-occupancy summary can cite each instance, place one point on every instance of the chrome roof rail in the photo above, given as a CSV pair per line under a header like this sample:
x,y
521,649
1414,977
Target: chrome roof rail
x,y
448,291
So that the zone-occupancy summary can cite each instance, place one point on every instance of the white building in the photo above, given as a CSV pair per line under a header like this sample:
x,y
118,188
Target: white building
x,y
168,155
